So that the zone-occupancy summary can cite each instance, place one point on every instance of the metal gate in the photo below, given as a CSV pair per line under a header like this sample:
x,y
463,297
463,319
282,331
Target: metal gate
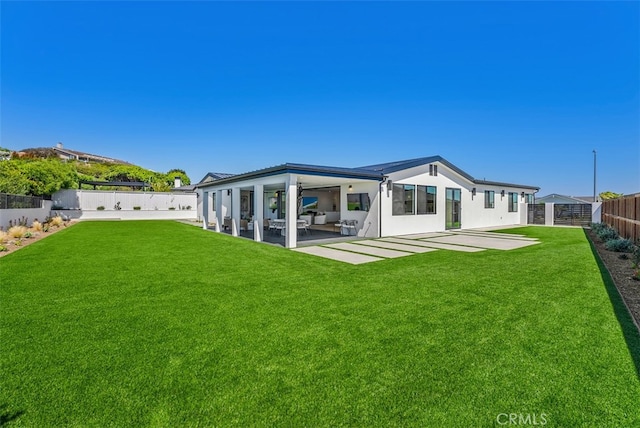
x,y
572,214
535,214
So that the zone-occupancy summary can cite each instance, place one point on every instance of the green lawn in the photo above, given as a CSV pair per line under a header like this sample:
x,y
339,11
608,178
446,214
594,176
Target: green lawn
x,y
164,324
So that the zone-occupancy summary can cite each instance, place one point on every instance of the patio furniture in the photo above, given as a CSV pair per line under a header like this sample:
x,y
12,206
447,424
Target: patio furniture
x,y
348,227
226,223
320,219
279,225
307,217
302,225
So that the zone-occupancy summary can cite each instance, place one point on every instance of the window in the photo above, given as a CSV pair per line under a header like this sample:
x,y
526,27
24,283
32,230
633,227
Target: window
x,y
426,199
403,199
358,202
489,199
513,202
433,169
528,198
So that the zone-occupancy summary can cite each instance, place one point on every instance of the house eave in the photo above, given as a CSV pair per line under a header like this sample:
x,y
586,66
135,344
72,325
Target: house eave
x,y
498,183
301,169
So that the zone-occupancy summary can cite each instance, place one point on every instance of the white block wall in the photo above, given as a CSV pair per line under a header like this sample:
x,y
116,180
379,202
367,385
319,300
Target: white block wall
x,y
90,200
31,214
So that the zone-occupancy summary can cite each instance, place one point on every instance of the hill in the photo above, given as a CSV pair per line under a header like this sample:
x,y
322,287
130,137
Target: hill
x,y
43,171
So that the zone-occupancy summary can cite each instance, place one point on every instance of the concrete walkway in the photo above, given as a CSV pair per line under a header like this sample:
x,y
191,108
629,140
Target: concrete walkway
x,y
431,244
373,250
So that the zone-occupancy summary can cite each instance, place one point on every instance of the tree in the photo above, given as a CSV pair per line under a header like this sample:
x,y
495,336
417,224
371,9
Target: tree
x,y
609,195
12,180
36,177
173,173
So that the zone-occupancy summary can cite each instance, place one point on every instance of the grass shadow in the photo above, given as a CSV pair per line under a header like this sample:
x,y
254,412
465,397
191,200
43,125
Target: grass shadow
x,y
629,330
7,416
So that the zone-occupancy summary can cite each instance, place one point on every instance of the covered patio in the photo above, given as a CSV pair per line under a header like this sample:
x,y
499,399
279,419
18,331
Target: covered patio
x,y
306,199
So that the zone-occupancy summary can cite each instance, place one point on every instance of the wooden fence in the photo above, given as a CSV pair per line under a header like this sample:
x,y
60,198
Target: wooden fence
x,y
623,214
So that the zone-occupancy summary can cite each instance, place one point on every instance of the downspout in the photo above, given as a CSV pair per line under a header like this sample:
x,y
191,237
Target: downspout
x,y
380,187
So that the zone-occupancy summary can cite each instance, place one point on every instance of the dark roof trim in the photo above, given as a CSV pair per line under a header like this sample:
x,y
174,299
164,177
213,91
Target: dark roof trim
x,y
216,176
497,183
294,168
388,168
371,172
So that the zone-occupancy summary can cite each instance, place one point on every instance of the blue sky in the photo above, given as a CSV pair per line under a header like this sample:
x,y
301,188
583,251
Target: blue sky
x,y
508,91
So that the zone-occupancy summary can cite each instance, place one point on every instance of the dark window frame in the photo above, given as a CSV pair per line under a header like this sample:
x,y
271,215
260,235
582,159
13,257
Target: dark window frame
x,y
489,198
430,201
513,202
403,188
363,202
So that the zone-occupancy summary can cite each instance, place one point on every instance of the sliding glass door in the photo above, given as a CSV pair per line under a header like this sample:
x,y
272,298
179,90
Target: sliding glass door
x,y
453,208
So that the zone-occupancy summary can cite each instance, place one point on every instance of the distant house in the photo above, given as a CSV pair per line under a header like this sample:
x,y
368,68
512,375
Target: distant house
x,y
555,198
67,154
5,154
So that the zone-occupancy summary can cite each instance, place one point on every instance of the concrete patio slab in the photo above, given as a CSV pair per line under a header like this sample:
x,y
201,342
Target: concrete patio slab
x,y
493,235
437,245
399,247
341,256
424,235
373,251
483,241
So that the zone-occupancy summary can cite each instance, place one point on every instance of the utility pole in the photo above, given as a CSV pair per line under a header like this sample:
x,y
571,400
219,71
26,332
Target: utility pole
x,y
594,176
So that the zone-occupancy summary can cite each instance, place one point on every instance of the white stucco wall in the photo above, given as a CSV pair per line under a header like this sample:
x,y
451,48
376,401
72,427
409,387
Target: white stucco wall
x,y
30,214
367,225
473,212
147,201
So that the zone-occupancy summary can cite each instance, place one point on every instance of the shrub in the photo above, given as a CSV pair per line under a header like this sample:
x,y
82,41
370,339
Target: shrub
x,y
619,245
3,248
635,257
56,221
597,227
136,208
36,226
17,232
28,235
3,236
100,208
607,234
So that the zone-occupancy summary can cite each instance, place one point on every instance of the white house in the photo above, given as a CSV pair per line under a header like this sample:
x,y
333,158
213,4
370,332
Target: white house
x,y
413,196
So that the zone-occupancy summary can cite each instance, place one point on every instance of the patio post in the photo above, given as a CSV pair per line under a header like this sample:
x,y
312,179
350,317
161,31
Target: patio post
x,y
218,210
258,212
291,213
205,209
235,211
